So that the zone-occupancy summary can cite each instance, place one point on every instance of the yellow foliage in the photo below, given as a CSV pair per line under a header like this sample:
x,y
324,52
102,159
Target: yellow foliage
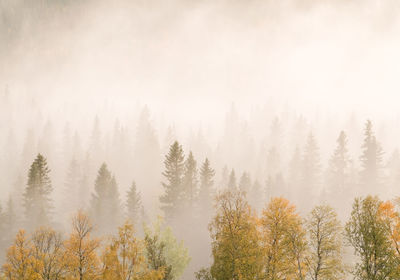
x,y
124,258
235,247
19,261
80,250
284,241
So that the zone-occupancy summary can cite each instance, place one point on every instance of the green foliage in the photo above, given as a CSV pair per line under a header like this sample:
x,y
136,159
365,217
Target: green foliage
x,y
134,204
37,200
235,239
371,159
105,203
325,242
190,180
173,196
163,249
366,231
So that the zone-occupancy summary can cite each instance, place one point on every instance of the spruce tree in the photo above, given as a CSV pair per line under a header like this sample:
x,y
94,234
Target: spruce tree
x,y
173,195
134,204
71,188
232,185
245,183
311,169
206,183
37,200
105,204
371,160
256,196
339,166
190,179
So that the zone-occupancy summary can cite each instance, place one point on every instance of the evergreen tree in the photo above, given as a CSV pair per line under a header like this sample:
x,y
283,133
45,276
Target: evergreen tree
x,y
190,179
224,178
105,203
393,176
256,196
134,204
172,198
294,177
37,200
232,185
71,188
245,183
10,220
371,160
206,183
339,164
311,170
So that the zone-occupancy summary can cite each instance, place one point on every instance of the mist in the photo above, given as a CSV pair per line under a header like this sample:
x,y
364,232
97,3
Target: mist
x,y
262,89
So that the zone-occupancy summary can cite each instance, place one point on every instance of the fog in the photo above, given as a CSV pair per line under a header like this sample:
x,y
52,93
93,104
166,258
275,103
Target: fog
x,y
242,83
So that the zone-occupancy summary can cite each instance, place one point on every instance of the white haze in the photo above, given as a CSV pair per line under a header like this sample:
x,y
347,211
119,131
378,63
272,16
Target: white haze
x,y
332,64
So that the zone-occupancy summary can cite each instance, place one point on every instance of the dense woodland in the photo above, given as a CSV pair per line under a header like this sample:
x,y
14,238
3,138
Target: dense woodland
x,y
199,139
290,217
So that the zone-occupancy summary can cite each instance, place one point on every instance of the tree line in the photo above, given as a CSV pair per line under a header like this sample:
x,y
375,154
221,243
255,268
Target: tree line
x,y
280,244
188,198
45,254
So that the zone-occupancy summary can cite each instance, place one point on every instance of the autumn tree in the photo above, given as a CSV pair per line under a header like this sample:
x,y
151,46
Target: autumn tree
x,y
164,250
367,233
391,218
235,239
48,254
284,241
172,198
155,253
124,258
105,203
81,250
325,242
37,200
19,259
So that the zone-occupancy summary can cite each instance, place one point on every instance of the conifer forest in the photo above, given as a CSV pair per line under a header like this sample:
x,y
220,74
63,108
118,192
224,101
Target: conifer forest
x,y
199,140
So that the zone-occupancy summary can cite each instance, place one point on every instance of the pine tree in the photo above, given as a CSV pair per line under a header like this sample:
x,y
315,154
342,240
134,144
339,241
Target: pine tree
x,y
105,204
206,183
339,165
245,183
10,220
256,196
224,178
37,200
311,169
190,179
371,160
232,185
172,198
134,204
71,188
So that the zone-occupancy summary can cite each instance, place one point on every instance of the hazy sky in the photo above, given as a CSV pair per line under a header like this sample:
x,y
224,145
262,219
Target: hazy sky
x,y
199,56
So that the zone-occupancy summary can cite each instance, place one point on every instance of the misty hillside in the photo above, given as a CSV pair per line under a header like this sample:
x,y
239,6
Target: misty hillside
x,y
199,139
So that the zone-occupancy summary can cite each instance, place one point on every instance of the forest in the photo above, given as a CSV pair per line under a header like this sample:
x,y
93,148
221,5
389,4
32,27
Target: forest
x,y
199,140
